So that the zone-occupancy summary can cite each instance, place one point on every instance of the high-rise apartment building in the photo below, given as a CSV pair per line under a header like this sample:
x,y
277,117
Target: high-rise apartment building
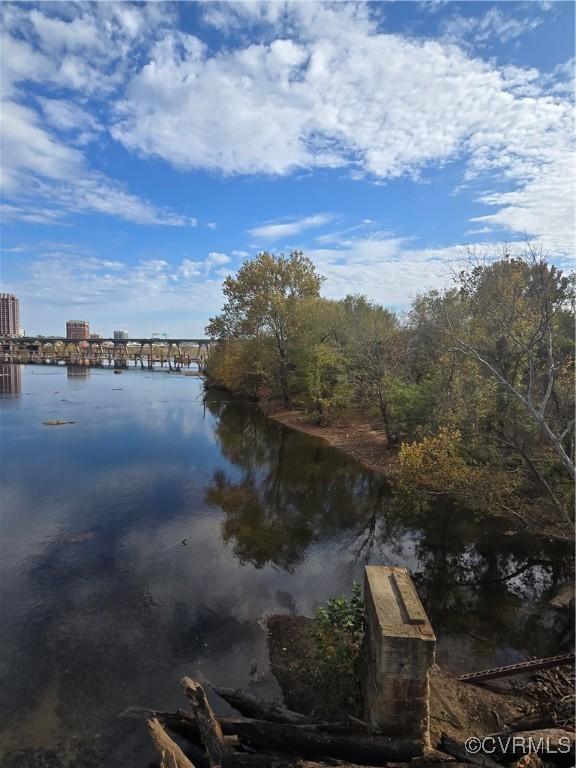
x,y
78,330
9,315
121,335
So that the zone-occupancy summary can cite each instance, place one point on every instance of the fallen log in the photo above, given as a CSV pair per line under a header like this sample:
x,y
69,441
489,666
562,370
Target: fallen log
x,y
210,731
311,742
308,741
458,750
533,723
276,760
251,706
168,761
171,756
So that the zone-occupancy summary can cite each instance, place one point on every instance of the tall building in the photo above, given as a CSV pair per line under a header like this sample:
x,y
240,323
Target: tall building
x,y
77,330
9,315
121,335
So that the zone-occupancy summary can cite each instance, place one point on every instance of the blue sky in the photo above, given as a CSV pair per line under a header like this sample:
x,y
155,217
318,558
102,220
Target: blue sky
x,y
148,149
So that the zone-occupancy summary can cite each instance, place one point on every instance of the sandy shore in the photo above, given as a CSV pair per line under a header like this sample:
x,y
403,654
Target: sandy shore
x,y
355,438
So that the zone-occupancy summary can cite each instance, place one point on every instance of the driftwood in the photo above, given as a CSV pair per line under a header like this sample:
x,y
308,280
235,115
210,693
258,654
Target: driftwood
x,y
251,706
311,742
276,760
268,744
308,741
171,756
458,750
533,723
210,731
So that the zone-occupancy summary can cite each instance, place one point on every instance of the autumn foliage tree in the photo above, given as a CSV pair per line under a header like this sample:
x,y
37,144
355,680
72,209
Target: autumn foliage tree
x,y
474,385
262,303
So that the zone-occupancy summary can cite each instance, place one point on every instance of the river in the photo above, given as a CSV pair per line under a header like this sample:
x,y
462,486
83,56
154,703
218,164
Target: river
x,y
153,536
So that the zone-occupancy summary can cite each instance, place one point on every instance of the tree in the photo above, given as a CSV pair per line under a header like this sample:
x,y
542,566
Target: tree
x,y
505,335
374,353
518,312
262,302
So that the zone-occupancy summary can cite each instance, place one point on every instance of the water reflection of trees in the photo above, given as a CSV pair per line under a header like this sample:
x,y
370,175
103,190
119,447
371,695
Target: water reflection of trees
x,y
473,576
293,490
480,581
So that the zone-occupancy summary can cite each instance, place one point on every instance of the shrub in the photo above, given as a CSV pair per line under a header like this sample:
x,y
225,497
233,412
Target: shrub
x,y
338,634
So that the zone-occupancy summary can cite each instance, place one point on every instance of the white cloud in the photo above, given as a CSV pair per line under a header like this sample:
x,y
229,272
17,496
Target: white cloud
x,y
218,258
544,206
57,35
151,289
15,249
30,214
495,24
37,166
382,267
276,231
68,116
68,46
326,88
388,269
431,6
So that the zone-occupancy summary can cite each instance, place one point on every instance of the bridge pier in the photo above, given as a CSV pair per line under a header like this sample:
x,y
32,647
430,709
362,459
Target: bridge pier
x,y
398,653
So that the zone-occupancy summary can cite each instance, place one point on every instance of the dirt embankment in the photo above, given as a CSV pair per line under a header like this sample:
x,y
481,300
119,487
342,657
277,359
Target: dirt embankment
x,y
356,437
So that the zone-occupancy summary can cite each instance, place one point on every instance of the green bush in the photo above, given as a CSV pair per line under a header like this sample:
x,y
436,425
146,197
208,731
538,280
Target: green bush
x,y
338,634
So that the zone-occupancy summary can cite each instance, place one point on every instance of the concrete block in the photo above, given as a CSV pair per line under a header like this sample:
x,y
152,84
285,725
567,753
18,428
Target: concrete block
x,y
399,648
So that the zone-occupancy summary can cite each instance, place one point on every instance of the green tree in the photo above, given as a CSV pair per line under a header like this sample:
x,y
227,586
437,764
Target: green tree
x,y
504,341
262,302
519,311
374,351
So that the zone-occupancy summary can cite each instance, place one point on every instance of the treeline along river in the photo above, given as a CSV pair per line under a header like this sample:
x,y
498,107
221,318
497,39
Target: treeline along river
x,y
154,535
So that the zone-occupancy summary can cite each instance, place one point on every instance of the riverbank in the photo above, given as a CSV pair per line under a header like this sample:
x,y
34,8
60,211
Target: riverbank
x,y
357,438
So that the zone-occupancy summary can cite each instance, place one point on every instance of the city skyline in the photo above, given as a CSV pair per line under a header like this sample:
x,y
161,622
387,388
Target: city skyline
x,y
383,139
75,329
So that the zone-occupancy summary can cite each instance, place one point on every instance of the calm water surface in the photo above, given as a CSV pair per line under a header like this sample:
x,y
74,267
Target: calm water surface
x,y
152,538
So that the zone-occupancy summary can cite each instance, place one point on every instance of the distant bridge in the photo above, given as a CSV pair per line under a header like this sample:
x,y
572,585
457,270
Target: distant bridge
x,y
144,351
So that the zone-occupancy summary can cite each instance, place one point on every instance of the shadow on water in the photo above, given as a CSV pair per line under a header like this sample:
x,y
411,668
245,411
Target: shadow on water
x,y
154,536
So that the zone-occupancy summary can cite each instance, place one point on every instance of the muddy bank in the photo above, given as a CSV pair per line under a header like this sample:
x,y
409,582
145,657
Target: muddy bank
x,y
357,438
